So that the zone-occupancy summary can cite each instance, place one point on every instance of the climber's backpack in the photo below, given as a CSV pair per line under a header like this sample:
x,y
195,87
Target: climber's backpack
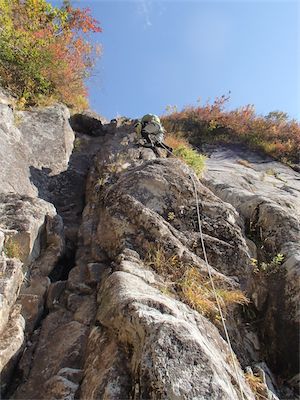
x,y
152,127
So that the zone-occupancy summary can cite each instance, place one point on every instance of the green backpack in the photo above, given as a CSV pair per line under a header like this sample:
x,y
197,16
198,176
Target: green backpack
x,y
151,122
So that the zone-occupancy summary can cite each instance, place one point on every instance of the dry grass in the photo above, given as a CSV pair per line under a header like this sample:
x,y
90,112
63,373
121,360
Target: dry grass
x,y
169,267
197,293
191,286
232,297
176,141
257,386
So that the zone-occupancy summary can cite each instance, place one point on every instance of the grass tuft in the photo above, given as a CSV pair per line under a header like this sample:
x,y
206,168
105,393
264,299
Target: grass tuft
x,y
191,157
257,386
12,249
191,286
183,150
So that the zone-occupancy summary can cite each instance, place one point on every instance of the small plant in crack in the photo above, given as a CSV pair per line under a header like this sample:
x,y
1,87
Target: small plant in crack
x,y
17,119
171,216
257,386
268,267
77,145
12,249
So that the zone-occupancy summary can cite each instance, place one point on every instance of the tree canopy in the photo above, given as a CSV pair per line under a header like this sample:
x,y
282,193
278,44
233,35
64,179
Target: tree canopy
x,y
45,51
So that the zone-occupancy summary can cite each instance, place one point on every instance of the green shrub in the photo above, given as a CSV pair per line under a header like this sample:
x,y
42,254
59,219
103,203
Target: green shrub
x,y
191,157
269,267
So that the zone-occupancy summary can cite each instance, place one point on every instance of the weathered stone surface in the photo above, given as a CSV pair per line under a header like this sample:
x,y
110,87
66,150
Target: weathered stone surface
x,y
72,374
111,333
85,313
32,309
22,220
31,140
259,193
11,344
107,371
59,387
175,351
45,129
14,163
6,97
2,238
32,299
267,378
141,201
11,277
83,307
95,272
53,246
76,281
61,345
267,196
54,293
88,122
24,365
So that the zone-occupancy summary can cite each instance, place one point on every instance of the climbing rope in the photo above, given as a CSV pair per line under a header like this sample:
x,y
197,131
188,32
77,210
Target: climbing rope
x,y
212,281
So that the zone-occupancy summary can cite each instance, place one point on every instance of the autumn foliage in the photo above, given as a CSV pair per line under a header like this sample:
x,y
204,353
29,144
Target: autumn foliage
x,y
45,51
274,134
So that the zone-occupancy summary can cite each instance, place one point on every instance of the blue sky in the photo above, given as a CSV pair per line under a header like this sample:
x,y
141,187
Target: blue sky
x,y
159,53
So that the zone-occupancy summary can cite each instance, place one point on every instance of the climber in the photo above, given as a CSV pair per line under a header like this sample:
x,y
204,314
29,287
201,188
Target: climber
x,y
152,131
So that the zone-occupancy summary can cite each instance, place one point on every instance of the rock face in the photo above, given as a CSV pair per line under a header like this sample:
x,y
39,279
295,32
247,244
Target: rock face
x,y
105,321
175,353
32,140
266,195
31,233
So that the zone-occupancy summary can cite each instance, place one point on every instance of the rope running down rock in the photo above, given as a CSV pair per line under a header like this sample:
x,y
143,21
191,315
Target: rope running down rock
x,y
212,281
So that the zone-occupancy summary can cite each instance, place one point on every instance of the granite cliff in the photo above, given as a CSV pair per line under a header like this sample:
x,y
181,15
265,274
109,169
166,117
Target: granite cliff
x,y
99,246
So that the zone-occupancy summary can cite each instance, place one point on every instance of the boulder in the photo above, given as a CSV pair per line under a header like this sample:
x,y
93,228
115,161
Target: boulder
x,y
142,200
88,122
48,134
22,220
14,163
31,141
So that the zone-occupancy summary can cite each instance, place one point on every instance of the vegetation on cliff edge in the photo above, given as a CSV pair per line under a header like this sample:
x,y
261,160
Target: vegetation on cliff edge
x,y
45,51
183,150
274,134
